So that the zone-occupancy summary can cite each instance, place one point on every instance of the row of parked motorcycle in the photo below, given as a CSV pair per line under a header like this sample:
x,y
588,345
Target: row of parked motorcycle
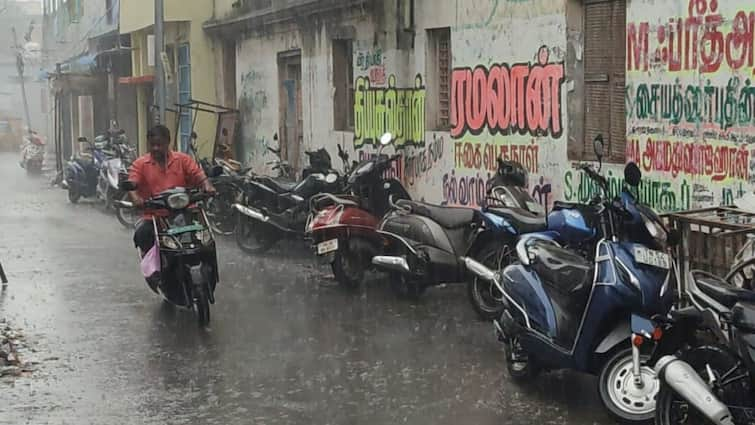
x,y
589,287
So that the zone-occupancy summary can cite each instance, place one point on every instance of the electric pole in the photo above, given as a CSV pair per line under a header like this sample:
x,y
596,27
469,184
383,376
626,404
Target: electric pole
x,y
159,71
20,68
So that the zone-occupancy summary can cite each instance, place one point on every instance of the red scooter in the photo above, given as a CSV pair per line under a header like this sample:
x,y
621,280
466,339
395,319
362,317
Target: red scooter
x,y
343,227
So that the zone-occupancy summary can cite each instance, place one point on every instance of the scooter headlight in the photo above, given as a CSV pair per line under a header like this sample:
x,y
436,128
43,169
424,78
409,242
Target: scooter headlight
x,y
170,242
204,237
178,201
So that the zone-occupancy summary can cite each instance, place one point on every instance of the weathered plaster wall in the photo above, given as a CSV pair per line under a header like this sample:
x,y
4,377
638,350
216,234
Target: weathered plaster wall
x,y
509,93
690,99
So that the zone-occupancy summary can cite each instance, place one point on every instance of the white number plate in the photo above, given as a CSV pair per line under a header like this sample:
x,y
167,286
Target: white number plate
x,y
652,258
327,246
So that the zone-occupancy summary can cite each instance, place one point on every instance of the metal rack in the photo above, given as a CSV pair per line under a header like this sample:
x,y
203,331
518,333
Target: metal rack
x,y
710,238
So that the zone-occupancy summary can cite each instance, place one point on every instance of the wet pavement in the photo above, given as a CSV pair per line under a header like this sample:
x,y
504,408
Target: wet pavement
x,y
285,346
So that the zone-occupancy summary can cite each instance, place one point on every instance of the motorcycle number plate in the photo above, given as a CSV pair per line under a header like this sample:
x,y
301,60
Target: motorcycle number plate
x,y
652,257
327,246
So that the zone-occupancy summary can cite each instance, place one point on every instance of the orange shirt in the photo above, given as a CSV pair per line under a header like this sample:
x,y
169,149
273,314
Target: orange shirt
x,y
152,179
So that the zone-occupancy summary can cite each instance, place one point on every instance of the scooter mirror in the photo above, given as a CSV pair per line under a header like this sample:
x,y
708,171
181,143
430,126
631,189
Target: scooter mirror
x,y
127,186
386,139
598,147
632,174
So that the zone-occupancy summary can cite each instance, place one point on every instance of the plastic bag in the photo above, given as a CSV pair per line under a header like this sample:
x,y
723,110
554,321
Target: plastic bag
x,y
151,262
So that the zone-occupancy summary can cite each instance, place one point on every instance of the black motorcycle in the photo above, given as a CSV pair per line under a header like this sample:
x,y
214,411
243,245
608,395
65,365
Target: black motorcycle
x,y
188,269
707,356
271,208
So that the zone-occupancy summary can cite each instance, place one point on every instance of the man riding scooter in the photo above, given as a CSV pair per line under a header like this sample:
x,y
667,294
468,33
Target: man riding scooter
x,y
157,171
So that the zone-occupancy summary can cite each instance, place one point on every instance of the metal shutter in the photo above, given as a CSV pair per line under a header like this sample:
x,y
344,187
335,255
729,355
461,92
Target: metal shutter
x,y
604,59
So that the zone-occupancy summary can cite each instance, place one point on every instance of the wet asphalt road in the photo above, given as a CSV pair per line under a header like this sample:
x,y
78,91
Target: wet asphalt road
x,y
286,345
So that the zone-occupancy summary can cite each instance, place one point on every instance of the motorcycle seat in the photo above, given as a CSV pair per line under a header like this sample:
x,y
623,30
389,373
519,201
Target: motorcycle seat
x,y
522,220
279,185
721,290
447,217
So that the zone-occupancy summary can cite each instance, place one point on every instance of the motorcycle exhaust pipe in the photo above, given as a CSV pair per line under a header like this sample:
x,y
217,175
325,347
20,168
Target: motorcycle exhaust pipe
x,y
482,271
392,263
250,212
680,376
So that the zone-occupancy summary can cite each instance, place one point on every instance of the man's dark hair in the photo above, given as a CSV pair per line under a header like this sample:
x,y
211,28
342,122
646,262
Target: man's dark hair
x,y
160,131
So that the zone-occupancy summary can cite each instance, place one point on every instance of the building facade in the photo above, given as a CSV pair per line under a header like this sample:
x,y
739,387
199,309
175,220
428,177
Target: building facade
x,y
191,71
462,83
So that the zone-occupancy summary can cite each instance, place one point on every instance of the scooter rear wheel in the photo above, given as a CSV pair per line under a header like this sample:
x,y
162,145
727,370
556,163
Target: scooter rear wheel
x,y
254,237
126,216
351,262
406,288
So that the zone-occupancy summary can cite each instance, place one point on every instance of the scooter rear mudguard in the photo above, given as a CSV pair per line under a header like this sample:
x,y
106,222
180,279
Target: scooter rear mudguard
x,y
431,244
338,220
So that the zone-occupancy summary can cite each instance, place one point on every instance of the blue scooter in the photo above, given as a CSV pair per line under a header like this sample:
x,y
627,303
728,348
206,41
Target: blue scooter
x,y
573,226
82,172
566,312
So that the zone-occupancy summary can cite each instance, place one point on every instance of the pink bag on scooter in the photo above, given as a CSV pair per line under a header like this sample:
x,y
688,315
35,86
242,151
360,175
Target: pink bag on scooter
x,y
151,262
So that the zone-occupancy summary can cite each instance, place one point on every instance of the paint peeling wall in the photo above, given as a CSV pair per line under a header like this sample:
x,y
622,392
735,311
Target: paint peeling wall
x,y
508,93
690,99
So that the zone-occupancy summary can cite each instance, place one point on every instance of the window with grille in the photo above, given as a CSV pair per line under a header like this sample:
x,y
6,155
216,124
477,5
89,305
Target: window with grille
x,y
438,74
605,69
343,82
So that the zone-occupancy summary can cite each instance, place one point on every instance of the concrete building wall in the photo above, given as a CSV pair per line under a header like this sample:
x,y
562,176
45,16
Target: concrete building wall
x,y
517,91
184,25
448,165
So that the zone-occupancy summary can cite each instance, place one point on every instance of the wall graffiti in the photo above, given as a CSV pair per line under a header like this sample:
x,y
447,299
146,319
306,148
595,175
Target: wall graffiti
x,y
703,40
419,161
522,98
373,64
415,162
465,191
718,162
400,111
658,194
727,107
476,162
484,156
690,100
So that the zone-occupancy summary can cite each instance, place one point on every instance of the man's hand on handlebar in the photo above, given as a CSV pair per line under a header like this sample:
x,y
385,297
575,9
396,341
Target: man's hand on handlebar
x,y
209,188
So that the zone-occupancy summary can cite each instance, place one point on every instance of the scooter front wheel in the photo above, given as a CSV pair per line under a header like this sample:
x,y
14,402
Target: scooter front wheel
x,y
73,194
626,400
203,308
519,364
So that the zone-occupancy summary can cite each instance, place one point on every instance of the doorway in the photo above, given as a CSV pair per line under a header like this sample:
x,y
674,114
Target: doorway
x,y
291,123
